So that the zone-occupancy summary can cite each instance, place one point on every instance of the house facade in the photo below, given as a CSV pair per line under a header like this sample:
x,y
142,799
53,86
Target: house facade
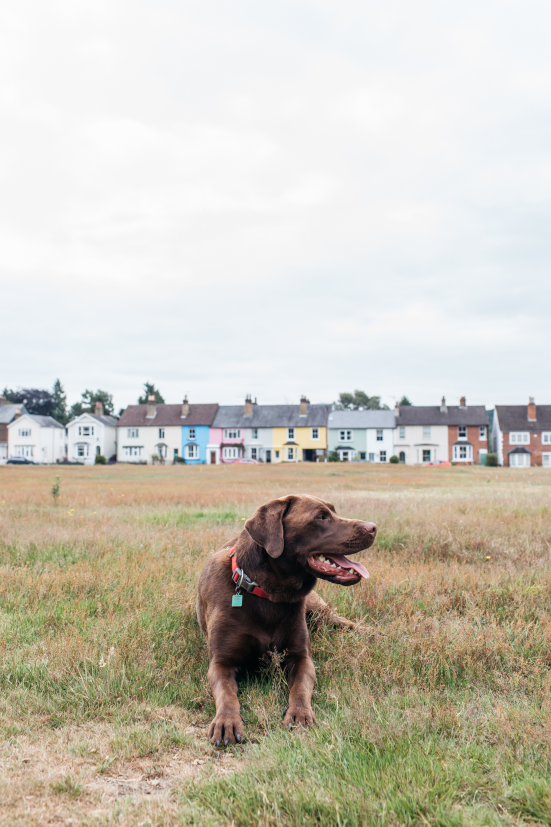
x,y
90,435
196,425
269,433
457,433
521,435
8,412
367,436
38,438
157,432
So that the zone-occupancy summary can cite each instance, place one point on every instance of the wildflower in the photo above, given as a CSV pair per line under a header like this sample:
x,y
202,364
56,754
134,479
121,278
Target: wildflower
x,y
487,557
102,663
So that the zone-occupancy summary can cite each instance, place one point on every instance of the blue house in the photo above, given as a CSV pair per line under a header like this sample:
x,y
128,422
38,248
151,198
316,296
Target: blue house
x,y
196,422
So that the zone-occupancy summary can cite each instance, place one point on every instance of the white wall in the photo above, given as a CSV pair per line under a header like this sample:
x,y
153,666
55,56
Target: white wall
x,y
374,446
415,442
42,444
103,437
147,442
265,441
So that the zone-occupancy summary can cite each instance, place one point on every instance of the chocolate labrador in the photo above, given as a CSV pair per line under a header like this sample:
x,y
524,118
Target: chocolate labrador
x,y
253,599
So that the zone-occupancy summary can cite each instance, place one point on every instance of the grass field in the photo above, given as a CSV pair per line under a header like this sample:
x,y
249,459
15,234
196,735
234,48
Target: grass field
x,y
437,713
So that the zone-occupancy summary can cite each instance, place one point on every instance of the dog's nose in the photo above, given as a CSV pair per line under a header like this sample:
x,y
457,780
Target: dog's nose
x,y
371,528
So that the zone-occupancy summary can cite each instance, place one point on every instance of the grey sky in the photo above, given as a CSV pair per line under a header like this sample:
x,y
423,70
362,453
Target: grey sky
x,y
276,198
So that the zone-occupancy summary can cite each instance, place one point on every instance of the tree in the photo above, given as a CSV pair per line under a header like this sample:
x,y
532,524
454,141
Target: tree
x,y
149,389
88,403
36,400
359,400
59,410
404,401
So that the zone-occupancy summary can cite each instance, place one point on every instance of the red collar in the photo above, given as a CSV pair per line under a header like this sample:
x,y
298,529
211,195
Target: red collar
x,y
242,581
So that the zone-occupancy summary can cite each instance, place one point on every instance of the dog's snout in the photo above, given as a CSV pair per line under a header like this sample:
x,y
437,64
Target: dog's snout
x,y
371,528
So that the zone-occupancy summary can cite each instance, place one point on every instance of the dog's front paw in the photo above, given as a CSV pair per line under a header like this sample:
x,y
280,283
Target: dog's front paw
x,y
226,729
296,716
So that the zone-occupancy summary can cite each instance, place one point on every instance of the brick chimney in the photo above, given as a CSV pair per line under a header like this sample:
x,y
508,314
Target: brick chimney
x,y
185,407
151,409
531,409
396,410
444,407
98,409
17,413
462,402
303,406
248,406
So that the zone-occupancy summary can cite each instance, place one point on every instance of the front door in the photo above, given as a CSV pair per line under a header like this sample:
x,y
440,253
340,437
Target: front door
x,y
213,457
268,456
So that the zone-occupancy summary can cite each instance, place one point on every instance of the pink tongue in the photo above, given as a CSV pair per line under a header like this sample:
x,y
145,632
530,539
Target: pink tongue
x,y
340,560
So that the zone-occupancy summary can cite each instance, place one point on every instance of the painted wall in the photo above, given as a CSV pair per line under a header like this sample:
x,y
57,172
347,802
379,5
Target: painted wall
x,y
414,442
259,447
198,435
103,437
222,444
358,443
43,445
303,438
144,445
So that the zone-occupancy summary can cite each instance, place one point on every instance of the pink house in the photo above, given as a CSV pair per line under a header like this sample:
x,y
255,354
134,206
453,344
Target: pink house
x,y
226,441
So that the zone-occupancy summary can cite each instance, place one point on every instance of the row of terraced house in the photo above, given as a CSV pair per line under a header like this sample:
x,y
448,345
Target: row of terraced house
x,y
216,434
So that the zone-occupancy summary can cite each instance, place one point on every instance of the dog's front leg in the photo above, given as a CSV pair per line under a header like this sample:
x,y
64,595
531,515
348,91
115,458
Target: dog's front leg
x,y
227,727
302,678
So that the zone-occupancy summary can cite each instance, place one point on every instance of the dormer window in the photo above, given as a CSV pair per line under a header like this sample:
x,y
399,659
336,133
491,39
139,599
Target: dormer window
x,y
462,432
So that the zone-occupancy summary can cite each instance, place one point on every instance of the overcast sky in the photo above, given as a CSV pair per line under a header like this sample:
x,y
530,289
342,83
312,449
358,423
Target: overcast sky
x,y
277,198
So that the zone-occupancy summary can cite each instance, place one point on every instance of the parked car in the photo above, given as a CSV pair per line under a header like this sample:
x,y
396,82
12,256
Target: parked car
x,y
245,461
20,461
439,462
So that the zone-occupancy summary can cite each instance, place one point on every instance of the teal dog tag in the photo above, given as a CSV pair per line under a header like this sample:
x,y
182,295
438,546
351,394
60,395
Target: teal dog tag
x,y
237,600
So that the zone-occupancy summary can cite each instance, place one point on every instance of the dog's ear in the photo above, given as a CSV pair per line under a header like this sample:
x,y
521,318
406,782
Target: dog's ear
x,y
266,526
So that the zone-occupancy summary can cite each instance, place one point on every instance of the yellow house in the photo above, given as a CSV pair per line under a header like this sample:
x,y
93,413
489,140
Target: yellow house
x,y
300,434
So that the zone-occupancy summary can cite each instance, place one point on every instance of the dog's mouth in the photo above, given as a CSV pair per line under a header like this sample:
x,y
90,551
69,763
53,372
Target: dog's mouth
x,y
338,567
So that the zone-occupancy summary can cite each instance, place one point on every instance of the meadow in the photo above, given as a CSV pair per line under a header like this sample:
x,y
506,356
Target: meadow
x,y
435,711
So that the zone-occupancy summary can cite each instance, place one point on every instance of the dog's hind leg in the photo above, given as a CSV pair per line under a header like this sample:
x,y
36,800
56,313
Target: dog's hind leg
x,y
323,613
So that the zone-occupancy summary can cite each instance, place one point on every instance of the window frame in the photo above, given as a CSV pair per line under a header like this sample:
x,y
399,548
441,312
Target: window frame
x,y
25,432
483,433
161,433
192,433
519,437
191,451
461,432
314,434
402,432
230,452
427,432
291,433
426,451
132,433
379,436
254,433
229,431
382,456
290,454
546,437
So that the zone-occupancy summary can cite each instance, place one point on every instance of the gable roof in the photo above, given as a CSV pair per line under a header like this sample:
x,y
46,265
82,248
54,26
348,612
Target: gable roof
x,y
270,416
7,412
105,419
432,415
515,418
136,415
41,421
361,419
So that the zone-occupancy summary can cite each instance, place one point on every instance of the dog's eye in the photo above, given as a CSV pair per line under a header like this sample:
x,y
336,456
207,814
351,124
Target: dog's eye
x,y
323,516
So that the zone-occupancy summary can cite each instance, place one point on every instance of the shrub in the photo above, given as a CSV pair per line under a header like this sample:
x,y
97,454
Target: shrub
x,y
100,460
394,459
333,456
491,459
179,461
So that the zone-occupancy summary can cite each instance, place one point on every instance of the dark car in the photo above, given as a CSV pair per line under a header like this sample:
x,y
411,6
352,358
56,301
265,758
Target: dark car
x,y
20,461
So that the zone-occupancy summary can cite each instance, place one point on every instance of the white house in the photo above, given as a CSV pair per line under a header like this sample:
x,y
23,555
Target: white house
x,y
8,413
456,433
92,434
39,438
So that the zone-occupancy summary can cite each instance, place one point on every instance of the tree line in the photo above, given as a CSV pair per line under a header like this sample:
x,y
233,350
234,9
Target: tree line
x,y
54,403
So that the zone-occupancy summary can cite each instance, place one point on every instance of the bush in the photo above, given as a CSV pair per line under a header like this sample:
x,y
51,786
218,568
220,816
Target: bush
x,y
491,459
179,461
100,460
394,459
333,456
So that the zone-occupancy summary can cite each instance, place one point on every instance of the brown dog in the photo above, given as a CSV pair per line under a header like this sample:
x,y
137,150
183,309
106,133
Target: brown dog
x,y
284,547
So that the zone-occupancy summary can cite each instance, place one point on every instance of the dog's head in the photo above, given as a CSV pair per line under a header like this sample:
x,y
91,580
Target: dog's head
x,y
307,532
